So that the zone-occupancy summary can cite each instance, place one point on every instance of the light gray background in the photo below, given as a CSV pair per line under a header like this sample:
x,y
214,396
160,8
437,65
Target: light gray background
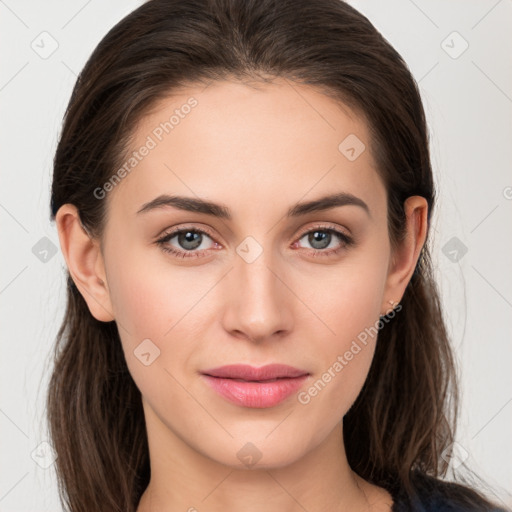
x,y
468,100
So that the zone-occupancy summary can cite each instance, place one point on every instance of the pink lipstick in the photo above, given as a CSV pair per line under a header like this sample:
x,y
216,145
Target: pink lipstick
x,y
253,387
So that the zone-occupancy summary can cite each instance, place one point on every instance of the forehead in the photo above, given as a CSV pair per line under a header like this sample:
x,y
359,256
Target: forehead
x,y
264,143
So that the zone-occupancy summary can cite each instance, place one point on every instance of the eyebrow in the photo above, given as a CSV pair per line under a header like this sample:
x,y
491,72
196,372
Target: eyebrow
x,y
221,211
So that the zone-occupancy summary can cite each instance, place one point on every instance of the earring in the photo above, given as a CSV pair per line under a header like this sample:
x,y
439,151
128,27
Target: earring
x,y
394,304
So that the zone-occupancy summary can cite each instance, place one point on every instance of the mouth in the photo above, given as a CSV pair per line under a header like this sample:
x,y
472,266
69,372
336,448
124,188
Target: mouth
x,y
252,387
252,374
245,380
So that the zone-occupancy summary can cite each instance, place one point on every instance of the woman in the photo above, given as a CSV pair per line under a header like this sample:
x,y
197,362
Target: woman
x,y
242,191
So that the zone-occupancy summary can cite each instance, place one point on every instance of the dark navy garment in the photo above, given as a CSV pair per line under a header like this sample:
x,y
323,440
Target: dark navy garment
x,y
436,495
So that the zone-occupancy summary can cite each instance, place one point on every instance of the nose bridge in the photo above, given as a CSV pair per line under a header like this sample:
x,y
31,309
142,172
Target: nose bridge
x,y
259,306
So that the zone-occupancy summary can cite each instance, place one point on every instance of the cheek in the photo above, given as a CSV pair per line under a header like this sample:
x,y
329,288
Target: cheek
x,y
148,305
151,299
349,307
160,313
344,359
348,300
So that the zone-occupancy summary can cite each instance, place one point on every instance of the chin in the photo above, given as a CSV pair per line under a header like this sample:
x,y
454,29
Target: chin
x,y
260,453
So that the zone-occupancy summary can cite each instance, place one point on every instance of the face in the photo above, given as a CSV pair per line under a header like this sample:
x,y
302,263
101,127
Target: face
x,y
268,282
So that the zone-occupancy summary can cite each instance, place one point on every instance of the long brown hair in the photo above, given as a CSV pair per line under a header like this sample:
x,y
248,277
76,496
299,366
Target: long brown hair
x,y
404,417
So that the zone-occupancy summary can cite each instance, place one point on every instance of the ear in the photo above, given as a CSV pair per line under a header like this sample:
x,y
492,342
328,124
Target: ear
x,y
85,262
405,256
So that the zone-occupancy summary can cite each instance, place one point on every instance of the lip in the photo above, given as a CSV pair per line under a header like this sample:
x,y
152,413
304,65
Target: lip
x,y
251,373
253,387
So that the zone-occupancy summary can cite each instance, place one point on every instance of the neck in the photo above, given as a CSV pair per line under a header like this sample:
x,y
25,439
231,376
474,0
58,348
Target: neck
x,y
183,479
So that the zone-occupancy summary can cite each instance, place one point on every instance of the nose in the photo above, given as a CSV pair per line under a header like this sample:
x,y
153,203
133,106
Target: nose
x,y
259,305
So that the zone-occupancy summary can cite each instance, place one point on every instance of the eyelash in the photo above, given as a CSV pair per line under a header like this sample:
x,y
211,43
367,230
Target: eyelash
x,y
346,242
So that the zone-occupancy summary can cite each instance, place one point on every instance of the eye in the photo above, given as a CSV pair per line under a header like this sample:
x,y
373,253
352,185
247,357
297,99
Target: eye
x,y
188,241
325,241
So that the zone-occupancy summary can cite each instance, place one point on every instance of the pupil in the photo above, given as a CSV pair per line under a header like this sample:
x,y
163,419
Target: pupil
x,y
189,240
320,239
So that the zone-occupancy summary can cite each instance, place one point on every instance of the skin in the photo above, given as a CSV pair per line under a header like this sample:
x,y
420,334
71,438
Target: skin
x,y
258,151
